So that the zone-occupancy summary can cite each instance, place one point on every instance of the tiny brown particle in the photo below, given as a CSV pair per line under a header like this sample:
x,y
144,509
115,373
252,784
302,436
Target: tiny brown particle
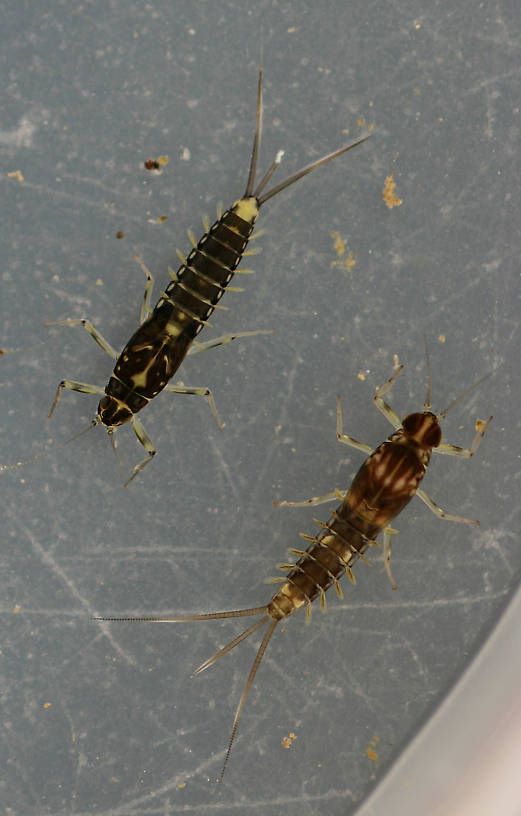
x,y
156,165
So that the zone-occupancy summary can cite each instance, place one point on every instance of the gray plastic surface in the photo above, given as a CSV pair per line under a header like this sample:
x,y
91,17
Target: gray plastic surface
x,y
107,719
465,761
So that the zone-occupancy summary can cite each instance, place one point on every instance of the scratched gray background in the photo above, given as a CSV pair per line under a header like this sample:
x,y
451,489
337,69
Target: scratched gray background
x,y
91,90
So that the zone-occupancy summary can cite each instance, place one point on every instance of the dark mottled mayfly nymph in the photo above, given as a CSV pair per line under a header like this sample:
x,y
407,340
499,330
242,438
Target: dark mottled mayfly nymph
x,y
384,485
167,331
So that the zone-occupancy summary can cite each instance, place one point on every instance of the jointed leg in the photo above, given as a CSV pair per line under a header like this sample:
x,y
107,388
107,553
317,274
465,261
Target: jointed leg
x,y
465,453
431,504
200,392
147,444
380,403
226,338
334,494
327,497
344,438
85,388
146,306
92,330
388,532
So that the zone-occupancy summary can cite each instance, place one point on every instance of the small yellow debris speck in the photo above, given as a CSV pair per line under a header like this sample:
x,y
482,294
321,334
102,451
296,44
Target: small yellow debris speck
x,y
288,741
47,705
162,161
181,785
162,219
339,244
388,194
340,247
16,609
360,122
371,753
361,376
441,338
99,282
16,174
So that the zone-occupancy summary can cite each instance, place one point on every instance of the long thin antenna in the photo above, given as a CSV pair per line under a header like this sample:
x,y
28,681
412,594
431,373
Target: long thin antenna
x,y
256,139
92,424
427,403
310,167
262,183
236,613
37,456
249,192
229,646
444,413
247,687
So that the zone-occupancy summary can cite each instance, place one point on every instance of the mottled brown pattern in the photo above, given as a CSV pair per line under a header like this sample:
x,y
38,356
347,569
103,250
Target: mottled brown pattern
x,y
384,485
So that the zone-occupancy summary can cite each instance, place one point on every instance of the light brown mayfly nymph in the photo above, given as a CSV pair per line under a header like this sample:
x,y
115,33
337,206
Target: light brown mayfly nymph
x,y
384,485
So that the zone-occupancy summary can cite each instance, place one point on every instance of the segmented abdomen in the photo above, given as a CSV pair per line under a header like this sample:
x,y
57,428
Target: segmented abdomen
x,y
202,280
383,486
333,552
158,347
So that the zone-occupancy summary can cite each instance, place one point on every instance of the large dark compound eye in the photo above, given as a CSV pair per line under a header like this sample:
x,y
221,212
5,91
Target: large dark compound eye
x,y
424,428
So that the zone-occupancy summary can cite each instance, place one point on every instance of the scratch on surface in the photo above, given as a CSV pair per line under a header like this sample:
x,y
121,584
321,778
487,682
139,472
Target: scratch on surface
x,y
83,200
224,466
459,202
240,805
282,418
136,805
491,80
493,539
55,568
427,604
95,182
359,690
